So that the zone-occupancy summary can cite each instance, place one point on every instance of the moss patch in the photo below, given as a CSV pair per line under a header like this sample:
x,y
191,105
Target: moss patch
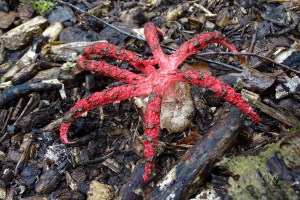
x,y
271,174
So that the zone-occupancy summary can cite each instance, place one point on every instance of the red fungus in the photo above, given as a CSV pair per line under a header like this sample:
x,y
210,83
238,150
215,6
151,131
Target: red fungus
x,y
155,83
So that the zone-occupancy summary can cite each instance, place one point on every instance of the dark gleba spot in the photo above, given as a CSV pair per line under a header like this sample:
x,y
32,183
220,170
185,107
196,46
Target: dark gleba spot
x,y
154,47
200,77
207,40
196,44
118,51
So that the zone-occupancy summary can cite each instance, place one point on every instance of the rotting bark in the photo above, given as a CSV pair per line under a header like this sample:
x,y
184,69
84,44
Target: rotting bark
x,y
21,35
271,172
15,92
194,167
134,189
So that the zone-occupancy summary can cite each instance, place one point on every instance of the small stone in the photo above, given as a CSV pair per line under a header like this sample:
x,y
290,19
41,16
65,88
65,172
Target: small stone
x,y
99,191
4,6
223,18
6,19
2,189
209,25
48,181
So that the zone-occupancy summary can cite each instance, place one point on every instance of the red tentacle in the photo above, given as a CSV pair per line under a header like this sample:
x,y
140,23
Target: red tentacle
x,y
112,51
151,132
109,70
200,41
150,31
221,90
99,99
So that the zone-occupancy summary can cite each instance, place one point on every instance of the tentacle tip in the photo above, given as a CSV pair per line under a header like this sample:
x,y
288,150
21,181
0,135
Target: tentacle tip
x,y
146,177
63,133
255,118
66,141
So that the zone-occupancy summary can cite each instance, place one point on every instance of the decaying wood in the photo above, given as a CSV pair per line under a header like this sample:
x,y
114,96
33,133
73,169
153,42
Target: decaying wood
x,y
12,93
72,48
195,165
32,70
271,172
255,100
48,180
30,106
21,35
134,189
1,53
28,58
27,67
25,149
53,31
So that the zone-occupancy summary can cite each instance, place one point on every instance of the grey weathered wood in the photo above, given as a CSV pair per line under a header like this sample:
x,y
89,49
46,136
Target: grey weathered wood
x,y
192,169
21,35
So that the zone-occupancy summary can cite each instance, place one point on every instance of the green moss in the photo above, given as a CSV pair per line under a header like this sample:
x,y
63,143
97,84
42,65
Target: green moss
x,y
41,7
255,180
295,128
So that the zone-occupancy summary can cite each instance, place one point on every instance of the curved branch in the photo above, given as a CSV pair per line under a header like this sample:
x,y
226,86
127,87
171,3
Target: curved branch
x,y
221,90
200,41
109,70
99,99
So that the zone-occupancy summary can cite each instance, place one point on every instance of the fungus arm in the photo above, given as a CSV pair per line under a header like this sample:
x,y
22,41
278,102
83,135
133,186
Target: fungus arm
x,y
112,51
150,32
109,70
200,41
221,90
151,132
99,99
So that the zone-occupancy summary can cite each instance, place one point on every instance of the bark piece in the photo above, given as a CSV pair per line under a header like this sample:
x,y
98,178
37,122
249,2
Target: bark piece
x,y
1,54
47,182
134,189
12,93
223,18
195,166
6,19
21,35
2,189
99,191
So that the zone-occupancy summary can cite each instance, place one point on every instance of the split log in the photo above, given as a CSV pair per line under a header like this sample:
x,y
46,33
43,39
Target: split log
x,y
11,93
276,114
27,67
194,167
21,35
134,189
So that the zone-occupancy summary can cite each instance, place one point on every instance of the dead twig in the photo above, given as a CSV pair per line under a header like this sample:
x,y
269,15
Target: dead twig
x,y
253,41
14,92
252,54
289,28
100,20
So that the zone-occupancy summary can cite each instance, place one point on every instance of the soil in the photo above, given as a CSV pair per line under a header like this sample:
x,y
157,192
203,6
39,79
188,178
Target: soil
x,y
35,164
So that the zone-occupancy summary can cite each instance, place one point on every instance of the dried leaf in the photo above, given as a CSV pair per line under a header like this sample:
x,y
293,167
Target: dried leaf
x,y
6,19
